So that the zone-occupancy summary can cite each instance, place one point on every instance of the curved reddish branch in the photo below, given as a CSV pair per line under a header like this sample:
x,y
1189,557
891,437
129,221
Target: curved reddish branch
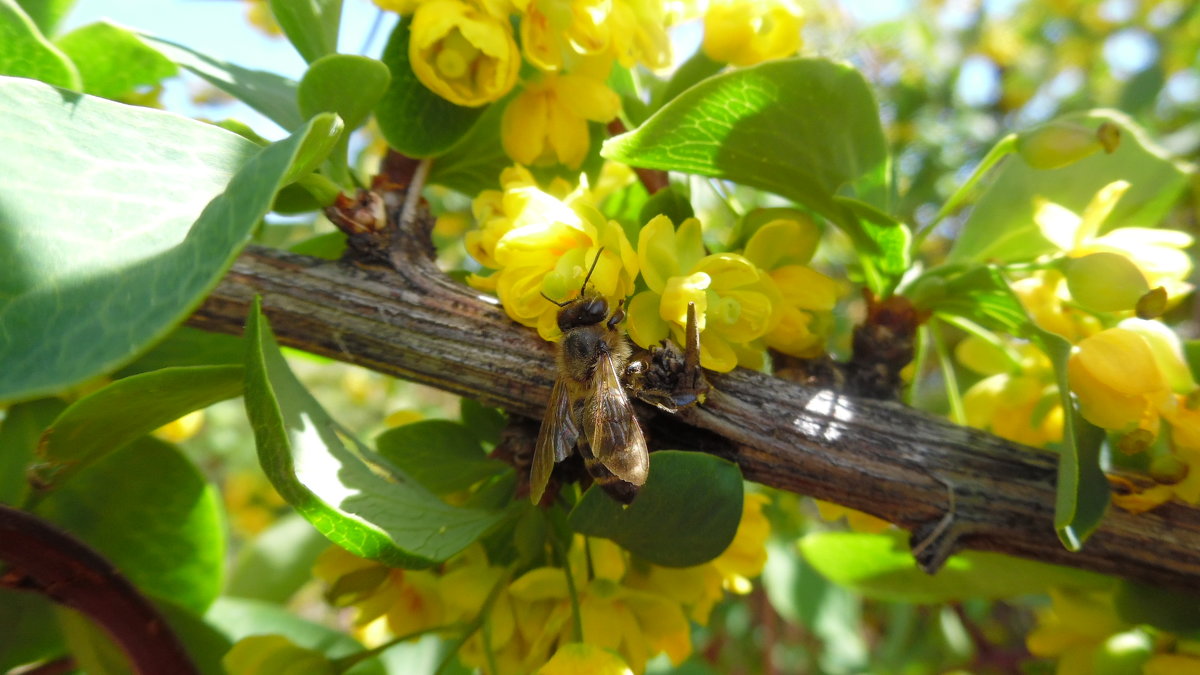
x,y
876,456
42,558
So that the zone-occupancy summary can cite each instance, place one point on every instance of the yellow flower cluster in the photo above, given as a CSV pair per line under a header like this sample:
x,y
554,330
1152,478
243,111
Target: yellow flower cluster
x,y
544,241
629,610
467,52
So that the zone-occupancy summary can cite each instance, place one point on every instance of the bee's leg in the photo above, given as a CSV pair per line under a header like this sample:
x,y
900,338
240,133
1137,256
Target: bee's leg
x,y
617,316
668,378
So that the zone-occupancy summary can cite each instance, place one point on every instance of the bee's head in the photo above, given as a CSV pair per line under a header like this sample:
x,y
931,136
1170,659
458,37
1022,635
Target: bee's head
x,y
586,310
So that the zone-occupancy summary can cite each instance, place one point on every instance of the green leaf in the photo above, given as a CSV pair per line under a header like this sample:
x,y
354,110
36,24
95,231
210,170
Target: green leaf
x,y
1082,492
1191,353
105,420
441,455
90,646
30,631
204,644
686,513
672,202
310,25
1165,608
413,119
130,246
113,61
187,346
889,241
19,433
46,13
272,95
277,562
150,512
801,128
238,618
1001,227
348,85
25,52
880,566
696,69
485,423
392,519
474,163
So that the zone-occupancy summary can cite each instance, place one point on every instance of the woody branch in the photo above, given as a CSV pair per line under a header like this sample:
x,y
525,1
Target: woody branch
x,y
953,486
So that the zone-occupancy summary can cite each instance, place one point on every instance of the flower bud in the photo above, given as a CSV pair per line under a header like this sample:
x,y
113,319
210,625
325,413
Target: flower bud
x,y
1105,282
1058,144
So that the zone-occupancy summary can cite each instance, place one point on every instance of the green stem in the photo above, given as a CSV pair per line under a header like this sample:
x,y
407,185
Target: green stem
x,y
576,615
476,623
967,326
341,665
998,152
953,396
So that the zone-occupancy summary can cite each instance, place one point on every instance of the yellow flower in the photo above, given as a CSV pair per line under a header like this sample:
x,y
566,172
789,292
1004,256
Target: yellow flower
x,y
634,623
1043,295
1073,627
746,555
577,658
1172,664
542,244
463,53
736,303
547,122
1018,401
183,428
745,32
401,7
1157,253
783,247
410,599
639,33
857,520
555,32
1118,380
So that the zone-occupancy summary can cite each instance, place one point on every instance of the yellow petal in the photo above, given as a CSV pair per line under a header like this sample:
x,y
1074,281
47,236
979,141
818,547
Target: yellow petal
x,y
576,658
522,127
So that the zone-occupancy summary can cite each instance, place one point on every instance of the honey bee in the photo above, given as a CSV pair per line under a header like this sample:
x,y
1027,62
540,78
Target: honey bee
x,y
589,408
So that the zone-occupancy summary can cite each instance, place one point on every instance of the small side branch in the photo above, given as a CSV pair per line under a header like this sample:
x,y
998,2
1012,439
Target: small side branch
x,y
876,456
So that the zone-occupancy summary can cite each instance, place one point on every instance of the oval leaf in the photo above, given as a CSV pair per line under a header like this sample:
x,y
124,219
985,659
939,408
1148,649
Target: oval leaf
x,y
880,566
686,513
310,25
107,419
344,84
129,246
443,456
300,447
165,534
801,128
413,119
113,61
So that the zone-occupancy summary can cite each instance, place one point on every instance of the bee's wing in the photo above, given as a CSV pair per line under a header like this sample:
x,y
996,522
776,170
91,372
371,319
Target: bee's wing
x,y
555,441
612,429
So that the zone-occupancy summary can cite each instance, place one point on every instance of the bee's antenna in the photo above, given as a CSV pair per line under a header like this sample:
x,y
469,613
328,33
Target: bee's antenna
x,y
560,304
590,270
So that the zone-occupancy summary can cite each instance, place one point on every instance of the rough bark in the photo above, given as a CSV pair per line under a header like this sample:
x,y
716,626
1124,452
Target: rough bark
x,y
953,486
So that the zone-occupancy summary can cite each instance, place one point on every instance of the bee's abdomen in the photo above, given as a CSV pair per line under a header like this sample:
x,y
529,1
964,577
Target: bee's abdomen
x,y
620,490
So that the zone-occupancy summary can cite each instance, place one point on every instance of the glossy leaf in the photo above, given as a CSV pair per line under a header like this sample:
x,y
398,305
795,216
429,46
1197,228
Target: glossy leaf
x,y
413,119
113,61
272,95
105,420
19,433
443,456
474,163
277,562
345,84
1001,226
310,25
238,618
884,243
123,236
91,648
392,519
176,549
25,52
801,128
880,566
686,513
485,423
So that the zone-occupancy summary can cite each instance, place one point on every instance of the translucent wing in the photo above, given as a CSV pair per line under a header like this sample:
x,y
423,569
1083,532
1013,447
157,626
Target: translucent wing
x,y
612,429
555,441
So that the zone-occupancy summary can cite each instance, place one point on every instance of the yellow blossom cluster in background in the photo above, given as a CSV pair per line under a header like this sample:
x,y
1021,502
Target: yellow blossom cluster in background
x,y
1128,373
629,610
467,52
